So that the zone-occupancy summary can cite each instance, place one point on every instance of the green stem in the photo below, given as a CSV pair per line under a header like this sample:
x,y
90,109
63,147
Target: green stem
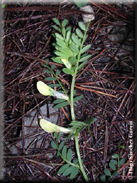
x,y
72,107
72,97
74,77
79,159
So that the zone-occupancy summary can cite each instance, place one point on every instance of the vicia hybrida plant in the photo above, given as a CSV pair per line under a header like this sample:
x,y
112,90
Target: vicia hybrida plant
x,y
70,51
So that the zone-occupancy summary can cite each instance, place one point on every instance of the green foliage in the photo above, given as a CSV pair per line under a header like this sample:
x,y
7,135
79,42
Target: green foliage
x,y
80,3
74,173
86,48
79,125
54,85
107,172
50,78
56,28
68,71
63,104
76,40
61,145
82,26
54,145
70,52
57,60
121,146
3,5
78,98
85,57
90,121
114,166
58,72
63,168
121,162
70,167
56,21
103,178
68,46
115,156
82,65
58,101
64,23
50,70
67,169
69,155
64,151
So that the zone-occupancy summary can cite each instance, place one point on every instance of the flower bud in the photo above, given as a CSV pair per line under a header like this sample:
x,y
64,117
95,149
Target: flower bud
x,y
66,63
88,17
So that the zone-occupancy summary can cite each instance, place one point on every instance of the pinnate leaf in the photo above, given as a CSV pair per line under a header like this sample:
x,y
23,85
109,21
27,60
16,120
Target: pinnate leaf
x,y
79,33
75,161
68,36
75,39
54,145
63,168
82,26
112,166
80,3
64,23
122,161
114,162
61,43
68,71
74,48
74,173
68,171
78,98
63,104
115,156
85,58
59,36
103,178
56,21
56,28
107,172
69,155
58,72
86,48
64,151
47,71
58,101
50,78
82,65
73,60
57,60
61,145
53,85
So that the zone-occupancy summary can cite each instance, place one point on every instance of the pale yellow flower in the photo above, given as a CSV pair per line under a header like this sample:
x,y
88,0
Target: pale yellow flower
x,y
48,91
51,128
